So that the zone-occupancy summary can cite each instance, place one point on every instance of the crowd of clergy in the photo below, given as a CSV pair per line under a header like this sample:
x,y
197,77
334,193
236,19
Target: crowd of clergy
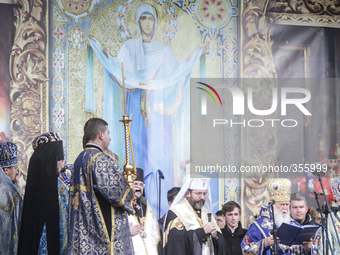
x,y
89,208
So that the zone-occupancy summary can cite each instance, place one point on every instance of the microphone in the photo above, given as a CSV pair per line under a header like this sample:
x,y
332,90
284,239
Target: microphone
x,y
317,193
209,220
335,209
161,175
315,173
326,211
271,202
209,217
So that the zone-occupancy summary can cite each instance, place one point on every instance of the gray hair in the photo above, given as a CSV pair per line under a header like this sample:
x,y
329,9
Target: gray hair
x,y
298,197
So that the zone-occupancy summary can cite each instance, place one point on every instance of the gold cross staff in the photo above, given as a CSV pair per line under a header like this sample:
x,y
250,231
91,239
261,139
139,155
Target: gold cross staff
x,y
130,172
123,78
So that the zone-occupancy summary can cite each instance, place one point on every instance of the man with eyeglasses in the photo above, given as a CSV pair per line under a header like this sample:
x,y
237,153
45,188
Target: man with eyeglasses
x,y
190,227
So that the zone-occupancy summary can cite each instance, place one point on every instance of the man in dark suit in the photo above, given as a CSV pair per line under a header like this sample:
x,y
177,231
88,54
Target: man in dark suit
x,y
233,232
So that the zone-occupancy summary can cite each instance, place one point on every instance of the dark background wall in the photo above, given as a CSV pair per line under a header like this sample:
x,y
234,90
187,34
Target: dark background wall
x,y
6,41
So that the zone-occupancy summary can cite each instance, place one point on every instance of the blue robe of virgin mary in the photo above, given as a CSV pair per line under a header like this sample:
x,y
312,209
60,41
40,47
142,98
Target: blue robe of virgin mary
x,y
155,83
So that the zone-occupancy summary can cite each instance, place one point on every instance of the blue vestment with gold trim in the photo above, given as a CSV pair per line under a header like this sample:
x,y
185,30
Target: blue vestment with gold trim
x,y
10,215
97,175
320,239
253,241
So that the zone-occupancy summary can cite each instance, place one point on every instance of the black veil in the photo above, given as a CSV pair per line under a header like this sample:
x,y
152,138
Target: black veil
x,y
41,200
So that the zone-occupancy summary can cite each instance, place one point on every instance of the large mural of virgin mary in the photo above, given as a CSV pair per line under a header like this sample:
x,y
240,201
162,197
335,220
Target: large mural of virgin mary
x,y
157,97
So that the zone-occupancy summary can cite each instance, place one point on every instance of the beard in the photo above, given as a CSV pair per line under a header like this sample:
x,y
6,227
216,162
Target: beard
x,y
280,217
196,204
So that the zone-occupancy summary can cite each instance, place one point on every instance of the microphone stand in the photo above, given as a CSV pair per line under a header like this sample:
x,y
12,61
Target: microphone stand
x,y
275,251
323,228
160,176
210,237
330,212
335,210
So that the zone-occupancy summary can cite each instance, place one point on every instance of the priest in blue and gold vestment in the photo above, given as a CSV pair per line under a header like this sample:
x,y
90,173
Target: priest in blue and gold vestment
x,y
10,200
100,198
320,240
258,239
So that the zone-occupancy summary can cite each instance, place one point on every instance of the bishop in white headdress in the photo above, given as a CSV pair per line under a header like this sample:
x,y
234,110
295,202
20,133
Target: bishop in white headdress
x,y
189,227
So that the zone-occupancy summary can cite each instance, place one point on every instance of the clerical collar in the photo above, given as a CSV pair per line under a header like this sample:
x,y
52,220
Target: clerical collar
x,y
92,145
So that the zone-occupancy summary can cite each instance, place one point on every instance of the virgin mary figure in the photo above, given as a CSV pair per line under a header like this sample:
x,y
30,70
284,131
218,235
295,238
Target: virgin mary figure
x,y
154,80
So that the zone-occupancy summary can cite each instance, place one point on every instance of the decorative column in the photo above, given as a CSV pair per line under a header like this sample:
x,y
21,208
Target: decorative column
x,y
29,78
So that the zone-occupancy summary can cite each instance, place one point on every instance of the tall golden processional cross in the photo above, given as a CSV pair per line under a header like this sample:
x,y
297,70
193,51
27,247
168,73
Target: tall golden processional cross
x,y
130,172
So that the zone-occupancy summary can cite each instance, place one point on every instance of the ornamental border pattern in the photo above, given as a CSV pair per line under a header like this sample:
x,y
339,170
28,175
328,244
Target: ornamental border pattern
x,y
29,78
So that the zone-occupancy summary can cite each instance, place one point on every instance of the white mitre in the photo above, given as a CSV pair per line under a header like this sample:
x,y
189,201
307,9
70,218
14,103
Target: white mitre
x,y
195,184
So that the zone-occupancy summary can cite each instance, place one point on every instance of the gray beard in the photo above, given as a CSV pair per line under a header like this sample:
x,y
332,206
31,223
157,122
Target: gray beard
x,y
198,206
281,217
195,205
